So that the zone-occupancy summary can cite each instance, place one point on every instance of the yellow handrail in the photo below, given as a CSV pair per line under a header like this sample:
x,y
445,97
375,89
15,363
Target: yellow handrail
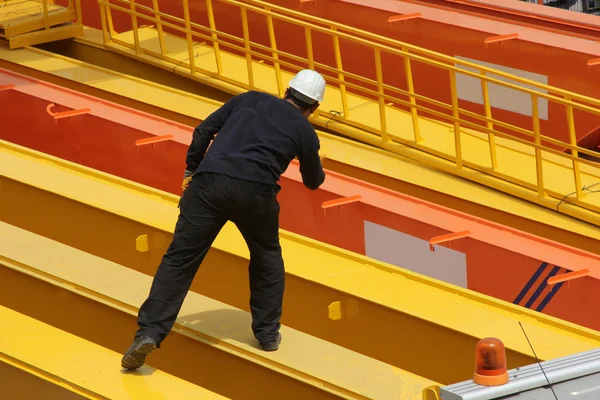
x,y
409,47
376,89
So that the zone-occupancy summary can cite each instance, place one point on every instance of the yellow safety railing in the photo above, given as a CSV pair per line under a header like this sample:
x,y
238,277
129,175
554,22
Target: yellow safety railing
x,y
43,10
30,22
376,89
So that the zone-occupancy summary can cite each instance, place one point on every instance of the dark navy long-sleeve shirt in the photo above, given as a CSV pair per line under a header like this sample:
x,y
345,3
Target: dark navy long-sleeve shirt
x,y
258,135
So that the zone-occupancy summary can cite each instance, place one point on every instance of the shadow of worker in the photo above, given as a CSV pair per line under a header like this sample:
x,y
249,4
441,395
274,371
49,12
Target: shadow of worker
x,y
226,324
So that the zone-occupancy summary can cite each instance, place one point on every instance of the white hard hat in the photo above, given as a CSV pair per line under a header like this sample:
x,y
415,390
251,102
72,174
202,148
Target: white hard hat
x,y
310,84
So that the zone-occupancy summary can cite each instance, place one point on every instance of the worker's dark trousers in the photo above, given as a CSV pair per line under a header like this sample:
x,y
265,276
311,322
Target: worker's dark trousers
x,y
209,202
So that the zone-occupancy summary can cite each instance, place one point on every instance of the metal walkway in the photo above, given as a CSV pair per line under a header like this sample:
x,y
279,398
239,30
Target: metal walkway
x,y
486,150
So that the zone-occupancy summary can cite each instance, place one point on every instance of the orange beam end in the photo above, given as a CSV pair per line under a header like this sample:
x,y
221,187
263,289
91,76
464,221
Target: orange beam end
x,y
6,87
340,202
568,276
404,17
501,38
152,140
446,238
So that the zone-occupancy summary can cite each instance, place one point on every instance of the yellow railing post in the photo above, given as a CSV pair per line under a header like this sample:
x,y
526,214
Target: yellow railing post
x,y
574,153
45,8
247,47
213,27
338,62
103,20
455,115
78,11
188,35
134,27
488,117
411,89
309,48
274,53
539,167
109,21
161,39
382,117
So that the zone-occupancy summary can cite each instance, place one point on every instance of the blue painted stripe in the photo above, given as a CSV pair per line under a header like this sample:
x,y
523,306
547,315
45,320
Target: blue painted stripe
x,y
541,288
529,284
549,297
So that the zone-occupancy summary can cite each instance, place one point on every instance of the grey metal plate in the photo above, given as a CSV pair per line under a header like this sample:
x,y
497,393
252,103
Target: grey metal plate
x,y
527,379
585,388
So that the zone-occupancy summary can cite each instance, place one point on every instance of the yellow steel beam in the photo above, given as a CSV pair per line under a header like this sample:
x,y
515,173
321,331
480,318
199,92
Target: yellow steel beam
x,y
380,304
213,335
39,361
26,385
372,164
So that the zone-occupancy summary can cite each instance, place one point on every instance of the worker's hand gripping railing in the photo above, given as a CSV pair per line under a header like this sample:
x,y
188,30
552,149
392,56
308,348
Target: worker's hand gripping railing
x,y
377,89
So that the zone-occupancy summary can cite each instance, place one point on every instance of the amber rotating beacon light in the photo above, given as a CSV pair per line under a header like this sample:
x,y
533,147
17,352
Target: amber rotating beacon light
x,y
490,363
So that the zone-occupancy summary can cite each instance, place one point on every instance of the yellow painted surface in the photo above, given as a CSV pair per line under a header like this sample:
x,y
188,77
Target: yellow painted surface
x,y
27,23
422,298
14,12
88,369
110,81
308,359
516,171
389,165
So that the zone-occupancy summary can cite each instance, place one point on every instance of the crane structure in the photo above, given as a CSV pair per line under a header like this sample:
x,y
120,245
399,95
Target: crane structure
x,y
460,203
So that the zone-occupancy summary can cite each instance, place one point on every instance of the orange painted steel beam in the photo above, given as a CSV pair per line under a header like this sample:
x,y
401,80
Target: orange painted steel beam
x,y
104,139
516,9
542,19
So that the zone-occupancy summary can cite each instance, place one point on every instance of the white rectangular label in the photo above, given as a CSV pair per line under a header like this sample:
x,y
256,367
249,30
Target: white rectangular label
x,y
409,252
470,89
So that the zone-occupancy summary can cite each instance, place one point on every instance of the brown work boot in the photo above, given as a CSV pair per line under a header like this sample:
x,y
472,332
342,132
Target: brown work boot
x,y
135,357
272,346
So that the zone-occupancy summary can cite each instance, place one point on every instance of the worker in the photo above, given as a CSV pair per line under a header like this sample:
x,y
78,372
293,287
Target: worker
x,y
236,180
